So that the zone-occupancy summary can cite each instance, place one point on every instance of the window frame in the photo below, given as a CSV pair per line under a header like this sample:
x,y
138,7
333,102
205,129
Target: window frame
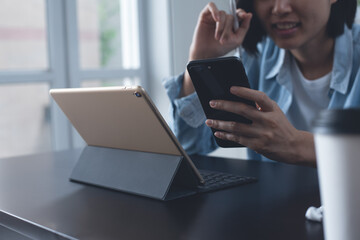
x,y
64,68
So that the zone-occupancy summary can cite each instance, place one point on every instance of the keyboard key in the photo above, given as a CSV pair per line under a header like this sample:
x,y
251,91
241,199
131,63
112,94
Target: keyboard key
x,y
219,180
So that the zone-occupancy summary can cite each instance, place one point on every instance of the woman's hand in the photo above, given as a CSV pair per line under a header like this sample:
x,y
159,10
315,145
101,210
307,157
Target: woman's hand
x,y
270,133
214,36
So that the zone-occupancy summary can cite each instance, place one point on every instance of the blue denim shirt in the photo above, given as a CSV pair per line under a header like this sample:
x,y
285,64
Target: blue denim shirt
x,y
269,72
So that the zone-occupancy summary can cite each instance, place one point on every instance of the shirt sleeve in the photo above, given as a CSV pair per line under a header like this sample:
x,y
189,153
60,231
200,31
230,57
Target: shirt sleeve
x,y
188,107
187,119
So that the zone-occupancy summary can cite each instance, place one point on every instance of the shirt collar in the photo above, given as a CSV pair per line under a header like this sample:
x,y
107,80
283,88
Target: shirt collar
x,y
343,54
277,65
342,66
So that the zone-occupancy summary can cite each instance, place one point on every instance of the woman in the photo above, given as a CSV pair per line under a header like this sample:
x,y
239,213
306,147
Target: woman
x,y
301,56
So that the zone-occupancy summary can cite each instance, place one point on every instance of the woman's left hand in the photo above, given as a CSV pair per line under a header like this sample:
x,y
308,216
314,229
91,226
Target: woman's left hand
x,y
270,134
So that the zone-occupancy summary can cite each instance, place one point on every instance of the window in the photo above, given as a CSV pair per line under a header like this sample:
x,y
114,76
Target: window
x,y
108,34
23,43
55,44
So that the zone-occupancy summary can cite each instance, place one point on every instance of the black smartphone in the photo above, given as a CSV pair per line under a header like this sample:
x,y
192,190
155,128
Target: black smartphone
x,y
212,79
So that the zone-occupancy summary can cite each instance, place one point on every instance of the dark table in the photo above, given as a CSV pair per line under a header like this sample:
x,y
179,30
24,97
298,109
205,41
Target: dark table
x,y
37,201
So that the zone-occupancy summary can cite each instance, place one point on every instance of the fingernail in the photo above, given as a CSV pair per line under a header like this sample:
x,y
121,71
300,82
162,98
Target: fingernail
x,y
209,122
212,103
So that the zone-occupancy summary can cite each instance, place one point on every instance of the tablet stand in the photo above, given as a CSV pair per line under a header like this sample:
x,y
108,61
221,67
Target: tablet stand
x,y
153,175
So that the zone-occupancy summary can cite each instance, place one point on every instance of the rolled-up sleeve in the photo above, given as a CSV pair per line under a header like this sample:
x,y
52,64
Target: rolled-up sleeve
x,y
188,118
189,107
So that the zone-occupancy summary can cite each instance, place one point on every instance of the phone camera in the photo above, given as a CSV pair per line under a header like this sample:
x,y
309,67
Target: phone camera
x,y
137,94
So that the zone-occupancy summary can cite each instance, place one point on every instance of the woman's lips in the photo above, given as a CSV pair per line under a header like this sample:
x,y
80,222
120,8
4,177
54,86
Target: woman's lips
x,y
285,28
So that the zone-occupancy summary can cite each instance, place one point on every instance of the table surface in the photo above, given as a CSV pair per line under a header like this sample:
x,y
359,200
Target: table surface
x,y
38,201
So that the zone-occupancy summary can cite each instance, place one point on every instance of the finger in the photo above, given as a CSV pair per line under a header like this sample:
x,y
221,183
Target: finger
x,y
249,142
232,137
263,101
234,127
220,25
245,19
239,108
240,13
228,31
213,10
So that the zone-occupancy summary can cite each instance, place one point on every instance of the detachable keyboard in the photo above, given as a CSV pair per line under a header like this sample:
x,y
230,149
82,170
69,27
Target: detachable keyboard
x,y
220,180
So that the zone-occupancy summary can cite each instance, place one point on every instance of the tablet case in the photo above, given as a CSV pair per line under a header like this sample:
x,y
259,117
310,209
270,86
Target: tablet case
x,y
159,176
129,148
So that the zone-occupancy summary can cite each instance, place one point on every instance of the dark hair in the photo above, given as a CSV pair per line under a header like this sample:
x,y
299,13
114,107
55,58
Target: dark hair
x,y
342,12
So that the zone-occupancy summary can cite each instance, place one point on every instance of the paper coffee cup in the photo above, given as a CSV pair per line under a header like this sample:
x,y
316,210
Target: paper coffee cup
x,y
337,145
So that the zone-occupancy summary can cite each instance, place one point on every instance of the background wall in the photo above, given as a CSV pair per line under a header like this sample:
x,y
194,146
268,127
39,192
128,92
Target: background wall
x,y
158,25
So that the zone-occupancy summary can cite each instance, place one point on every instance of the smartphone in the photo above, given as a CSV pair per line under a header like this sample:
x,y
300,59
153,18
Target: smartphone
x,y
212,79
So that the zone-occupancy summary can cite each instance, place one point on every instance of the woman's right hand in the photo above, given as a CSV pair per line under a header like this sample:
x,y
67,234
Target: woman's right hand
x,y
214,36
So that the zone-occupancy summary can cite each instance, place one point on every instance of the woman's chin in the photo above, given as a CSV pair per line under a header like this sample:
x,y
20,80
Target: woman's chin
x,y
287,45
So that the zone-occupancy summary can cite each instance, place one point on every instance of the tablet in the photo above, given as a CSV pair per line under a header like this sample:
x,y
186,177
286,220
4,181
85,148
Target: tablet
x,y
119,117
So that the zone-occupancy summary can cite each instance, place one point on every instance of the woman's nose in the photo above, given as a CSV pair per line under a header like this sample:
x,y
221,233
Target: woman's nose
x,y
281,7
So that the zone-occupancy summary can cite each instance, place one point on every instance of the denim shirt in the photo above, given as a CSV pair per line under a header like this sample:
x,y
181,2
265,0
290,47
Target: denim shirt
x,y
269,72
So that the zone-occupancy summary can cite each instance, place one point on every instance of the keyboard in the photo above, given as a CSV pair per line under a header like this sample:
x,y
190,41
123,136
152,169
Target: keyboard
x,y
220,180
